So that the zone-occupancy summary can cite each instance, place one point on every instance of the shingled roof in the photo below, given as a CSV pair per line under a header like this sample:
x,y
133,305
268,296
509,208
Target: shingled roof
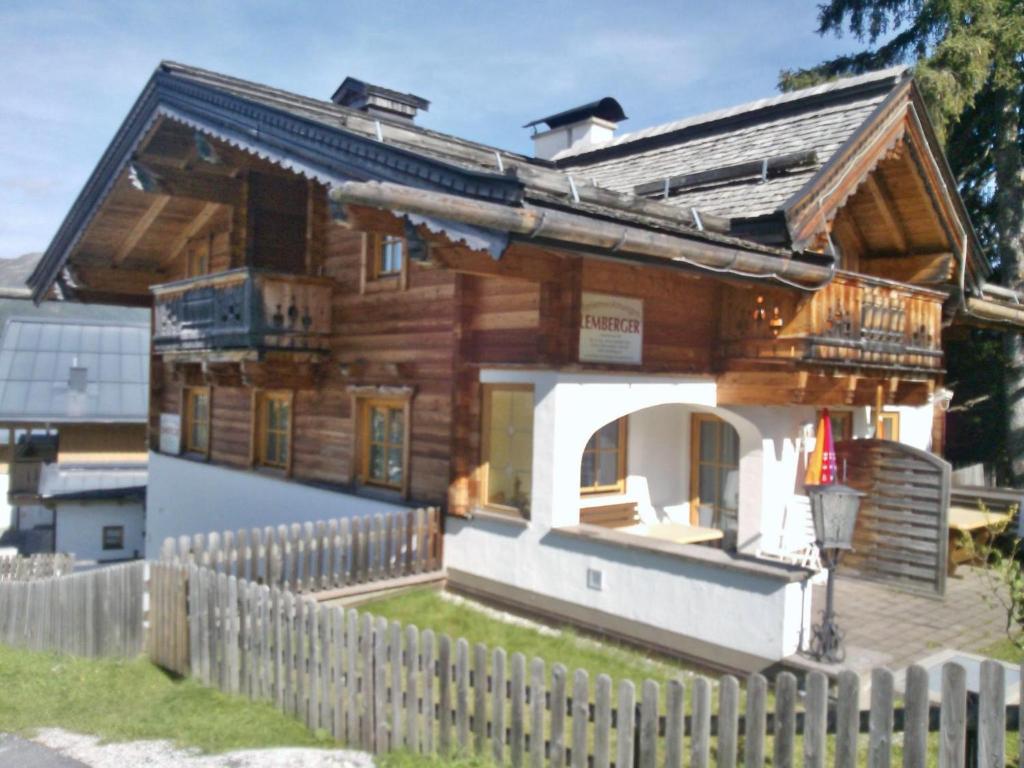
x,y
813,123
333,144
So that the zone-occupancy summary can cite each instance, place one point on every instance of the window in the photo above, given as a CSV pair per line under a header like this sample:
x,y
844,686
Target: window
x,y
388,256
889,426
113,537
604,460
714,469
842,424
384,438
197,255
507,460
274,429
197,420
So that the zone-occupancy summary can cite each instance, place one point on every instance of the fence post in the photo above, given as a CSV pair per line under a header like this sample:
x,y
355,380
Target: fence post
x,y
756,721
785,720
498,706
728,721
992,715
462,696
881,719
700,744
537,710
479,697
675,724
517,740
847,719
444,684
647,741
953,717
602,720
815,720
412,673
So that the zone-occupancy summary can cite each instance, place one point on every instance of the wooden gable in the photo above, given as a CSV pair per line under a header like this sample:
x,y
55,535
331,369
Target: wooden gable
x,y
887,201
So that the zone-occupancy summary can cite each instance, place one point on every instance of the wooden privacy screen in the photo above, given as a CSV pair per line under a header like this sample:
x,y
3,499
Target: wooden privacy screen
x,y
901,536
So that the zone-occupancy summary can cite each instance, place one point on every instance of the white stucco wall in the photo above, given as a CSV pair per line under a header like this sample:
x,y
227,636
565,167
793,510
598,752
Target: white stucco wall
x,y
658,463
705,603
188,497
30,516
80,529
915,425
742,612
6,511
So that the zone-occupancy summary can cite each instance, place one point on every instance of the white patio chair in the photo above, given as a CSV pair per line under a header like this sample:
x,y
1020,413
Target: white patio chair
x,y
795,544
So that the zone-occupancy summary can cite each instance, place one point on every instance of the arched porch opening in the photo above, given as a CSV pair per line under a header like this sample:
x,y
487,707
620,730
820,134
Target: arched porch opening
x,y
672,471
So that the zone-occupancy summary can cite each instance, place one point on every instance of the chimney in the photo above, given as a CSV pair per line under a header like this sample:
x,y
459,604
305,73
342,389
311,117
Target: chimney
x,y
576,128
378,101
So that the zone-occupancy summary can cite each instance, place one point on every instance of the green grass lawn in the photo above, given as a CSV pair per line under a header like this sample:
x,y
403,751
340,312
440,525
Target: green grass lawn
x,y
427,609
132,700
1004,650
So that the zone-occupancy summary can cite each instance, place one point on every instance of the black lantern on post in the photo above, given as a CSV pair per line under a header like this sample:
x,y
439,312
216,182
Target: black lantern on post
x,y
834,512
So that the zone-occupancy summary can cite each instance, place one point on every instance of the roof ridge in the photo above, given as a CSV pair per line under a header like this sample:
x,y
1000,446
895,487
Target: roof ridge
x,y
331,108
809,95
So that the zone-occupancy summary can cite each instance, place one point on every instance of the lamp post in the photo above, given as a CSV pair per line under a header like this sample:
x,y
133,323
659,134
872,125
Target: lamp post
x,y
834,511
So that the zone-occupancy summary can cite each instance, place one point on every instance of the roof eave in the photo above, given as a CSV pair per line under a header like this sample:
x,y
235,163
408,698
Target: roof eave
x,y
328,154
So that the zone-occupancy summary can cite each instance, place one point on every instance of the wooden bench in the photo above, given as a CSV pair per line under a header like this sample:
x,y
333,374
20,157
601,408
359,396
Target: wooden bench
x,y
619,515
967,519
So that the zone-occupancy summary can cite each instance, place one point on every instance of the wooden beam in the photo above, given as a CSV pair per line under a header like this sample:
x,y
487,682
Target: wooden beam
x,y
850,395
177,182
114,279
886,210
926,268
141,227
879,403
192,229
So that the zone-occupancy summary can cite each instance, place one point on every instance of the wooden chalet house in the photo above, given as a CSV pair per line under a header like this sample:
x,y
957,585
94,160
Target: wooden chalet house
x,y
605,361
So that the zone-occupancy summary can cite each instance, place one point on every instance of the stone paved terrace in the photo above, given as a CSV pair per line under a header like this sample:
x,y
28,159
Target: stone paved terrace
x,y
887,627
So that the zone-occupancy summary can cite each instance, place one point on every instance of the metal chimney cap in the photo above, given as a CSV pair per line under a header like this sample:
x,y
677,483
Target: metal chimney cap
x,y
606,109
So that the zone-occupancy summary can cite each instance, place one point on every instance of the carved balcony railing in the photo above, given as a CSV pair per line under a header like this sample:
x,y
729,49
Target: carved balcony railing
x,y
852,323
243,309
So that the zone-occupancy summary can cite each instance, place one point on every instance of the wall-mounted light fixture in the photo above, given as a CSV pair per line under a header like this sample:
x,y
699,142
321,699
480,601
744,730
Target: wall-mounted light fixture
x,y
763,315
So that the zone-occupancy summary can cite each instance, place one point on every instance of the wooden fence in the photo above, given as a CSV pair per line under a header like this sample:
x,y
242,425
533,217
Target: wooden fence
x,y
902,534
320,555
381,686
17,568
92,613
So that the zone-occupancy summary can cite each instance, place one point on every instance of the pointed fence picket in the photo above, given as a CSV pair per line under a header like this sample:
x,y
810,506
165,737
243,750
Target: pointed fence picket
x,y
380,686
322,555
92,613
18,568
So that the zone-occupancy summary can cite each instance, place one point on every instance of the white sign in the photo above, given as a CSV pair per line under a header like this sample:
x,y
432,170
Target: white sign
x,y
170,433
611,329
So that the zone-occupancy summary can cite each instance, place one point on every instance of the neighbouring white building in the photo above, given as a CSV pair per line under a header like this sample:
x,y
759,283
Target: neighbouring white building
x,y
73,405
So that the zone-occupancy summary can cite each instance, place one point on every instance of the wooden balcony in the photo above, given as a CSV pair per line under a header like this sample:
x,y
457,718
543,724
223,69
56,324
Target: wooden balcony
x,y
853,324
245,310
23,484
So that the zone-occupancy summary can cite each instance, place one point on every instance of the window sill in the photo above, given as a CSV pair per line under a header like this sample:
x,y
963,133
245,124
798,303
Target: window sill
x,y
495,516
382,284
602,499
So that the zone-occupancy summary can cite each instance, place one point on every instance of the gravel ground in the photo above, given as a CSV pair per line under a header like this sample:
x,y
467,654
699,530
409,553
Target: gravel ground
x,y
162,754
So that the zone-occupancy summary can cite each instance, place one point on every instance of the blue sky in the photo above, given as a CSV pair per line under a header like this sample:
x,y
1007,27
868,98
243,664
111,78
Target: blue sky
x,y
71,70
